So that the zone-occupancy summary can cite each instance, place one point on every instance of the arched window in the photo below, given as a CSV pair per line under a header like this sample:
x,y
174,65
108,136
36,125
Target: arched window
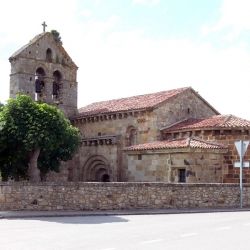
x,y
39,80
49,55
131,135
56,84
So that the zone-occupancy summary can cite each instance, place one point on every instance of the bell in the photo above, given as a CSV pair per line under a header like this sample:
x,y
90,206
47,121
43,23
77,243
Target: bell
x,y
38,87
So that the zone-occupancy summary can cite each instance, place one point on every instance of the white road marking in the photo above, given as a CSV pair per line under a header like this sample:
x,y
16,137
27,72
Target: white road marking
x,y
151,241
188,234
222,228
108,248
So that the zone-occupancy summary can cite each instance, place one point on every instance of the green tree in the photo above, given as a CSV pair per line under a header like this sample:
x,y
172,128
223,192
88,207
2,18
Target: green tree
x,y
1,106
34,139
56,36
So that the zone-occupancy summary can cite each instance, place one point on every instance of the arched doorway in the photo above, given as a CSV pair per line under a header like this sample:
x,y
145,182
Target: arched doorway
x,y
96,169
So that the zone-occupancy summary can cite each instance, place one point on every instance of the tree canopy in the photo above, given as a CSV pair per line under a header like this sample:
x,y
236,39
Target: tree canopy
x,y
56,36
34,139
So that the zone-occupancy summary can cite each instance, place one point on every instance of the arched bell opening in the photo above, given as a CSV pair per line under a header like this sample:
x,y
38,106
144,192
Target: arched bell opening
x,y
57,85
39,83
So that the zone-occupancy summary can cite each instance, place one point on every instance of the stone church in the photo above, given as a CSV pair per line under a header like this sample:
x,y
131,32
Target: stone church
x,y
170,136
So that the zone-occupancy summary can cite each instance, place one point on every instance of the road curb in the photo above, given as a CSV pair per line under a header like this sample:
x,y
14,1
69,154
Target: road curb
x,y
35,214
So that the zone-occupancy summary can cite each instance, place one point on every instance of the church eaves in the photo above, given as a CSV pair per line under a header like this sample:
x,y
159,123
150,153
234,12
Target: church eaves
x,y
183,143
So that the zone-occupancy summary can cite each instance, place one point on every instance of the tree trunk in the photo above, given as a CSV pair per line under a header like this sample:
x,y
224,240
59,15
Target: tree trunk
x,y
33,171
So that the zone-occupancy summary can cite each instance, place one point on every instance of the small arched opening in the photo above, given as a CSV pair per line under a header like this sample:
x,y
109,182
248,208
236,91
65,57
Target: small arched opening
x,y
49,55
57,84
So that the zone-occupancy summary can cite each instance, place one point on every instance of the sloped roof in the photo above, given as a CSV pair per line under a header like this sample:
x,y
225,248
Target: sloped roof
x,y
31,42
35,40
140,102
216,121
189,142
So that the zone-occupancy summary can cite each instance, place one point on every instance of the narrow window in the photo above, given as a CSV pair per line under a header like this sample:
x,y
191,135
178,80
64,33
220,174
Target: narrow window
x,y
49,55
182,175
131,135
139,157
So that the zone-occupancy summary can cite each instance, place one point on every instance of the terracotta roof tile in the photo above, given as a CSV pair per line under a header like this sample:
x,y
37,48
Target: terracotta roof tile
x,y
217,121
177,144
139,102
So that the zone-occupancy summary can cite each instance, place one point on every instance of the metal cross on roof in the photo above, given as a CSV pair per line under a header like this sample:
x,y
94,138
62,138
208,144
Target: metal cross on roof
x,y
44,26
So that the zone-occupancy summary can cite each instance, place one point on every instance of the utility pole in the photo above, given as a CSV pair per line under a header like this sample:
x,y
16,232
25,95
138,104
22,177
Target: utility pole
x,y
241,147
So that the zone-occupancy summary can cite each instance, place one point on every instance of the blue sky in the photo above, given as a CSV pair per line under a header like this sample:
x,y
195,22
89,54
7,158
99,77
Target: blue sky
x,y
130,47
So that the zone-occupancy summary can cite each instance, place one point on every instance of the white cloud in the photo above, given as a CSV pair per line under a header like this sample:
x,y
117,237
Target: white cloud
x,y
86,13
128,64
5,71
146,2
114,63
234,19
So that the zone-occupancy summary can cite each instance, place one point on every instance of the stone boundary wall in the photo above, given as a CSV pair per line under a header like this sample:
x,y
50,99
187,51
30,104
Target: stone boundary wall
x,y
117,195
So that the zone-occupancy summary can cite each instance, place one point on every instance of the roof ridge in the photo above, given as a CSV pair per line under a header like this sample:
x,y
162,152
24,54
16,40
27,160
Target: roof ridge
x,y
128,97
210,123
227,118
136,102
189,142
31,41
207,141
175,123
182,90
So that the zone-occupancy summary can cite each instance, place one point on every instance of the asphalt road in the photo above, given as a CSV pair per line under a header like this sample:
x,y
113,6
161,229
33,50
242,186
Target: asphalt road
x,y
200,231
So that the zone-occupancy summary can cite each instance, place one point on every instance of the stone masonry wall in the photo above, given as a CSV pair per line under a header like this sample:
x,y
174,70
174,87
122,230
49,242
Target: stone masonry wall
x,y
32,57
232,174
185,105
106,196
143,122
147,125
200,166
228,138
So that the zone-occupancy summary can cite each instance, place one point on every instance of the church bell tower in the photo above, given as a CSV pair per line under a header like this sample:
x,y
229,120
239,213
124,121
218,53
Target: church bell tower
x,y
45,71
